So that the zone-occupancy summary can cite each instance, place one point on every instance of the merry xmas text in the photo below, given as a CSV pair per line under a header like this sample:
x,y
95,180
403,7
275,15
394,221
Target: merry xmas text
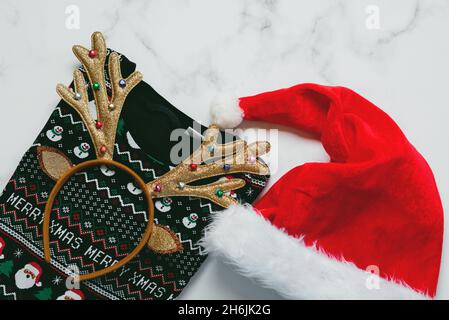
x,y
75,242
62,233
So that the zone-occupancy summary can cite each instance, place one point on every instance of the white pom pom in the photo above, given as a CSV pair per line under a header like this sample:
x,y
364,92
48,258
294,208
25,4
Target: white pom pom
x,y
225,112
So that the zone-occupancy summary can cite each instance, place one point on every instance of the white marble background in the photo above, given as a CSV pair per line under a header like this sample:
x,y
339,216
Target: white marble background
x,y
189,50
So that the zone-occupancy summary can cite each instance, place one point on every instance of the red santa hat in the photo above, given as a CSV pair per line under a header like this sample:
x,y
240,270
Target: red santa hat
x,y
2,247
324,228
36,270
74,294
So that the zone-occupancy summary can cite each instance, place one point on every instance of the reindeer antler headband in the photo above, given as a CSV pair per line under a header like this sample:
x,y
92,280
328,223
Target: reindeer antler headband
x,y
102,130
209,160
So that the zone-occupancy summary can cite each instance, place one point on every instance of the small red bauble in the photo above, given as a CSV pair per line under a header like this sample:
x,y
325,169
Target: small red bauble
x,y
103,149
193,166
98,124
92,53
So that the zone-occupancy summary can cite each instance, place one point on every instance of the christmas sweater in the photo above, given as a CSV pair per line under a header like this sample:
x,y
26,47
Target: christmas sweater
x,y
100,215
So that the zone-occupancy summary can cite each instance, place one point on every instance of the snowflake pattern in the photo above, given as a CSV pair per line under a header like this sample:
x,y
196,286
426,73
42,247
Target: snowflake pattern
x,y
18,253
56,280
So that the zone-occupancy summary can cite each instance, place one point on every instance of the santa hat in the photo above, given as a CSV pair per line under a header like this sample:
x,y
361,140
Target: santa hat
x,y
2,247
36,270
74,294
324,228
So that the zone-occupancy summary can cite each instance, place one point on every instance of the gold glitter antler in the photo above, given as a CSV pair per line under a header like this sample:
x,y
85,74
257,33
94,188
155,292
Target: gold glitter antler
x,y
102,130
209,160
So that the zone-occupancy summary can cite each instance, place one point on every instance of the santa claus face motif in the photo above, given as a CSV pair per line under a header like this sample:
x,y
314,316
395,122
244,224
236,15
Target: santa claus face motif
x,y
82,151
55,134
164,205
27,277
71,295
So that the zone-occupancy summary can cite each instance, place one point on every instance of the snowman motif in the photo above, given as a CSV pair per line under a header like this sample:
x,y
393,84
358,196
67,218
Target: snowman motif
x,y
72,294
108,172
2,247
164,205
133,189
55,134
82,151
29,276
190,221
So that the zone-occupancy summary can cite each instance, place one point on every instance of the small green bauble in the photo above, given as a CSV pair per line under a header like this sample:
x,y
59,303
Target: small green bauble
x,y
96,86
219,193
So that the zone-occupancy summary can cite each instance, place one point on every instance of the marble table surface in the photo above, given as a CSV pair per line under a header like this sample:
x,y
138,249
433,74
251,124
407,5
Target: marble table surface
x,y
392,52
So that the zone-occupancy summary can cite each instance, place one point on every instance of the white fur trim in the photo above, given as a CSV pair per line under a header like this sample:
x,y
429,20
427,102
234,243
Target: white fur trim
x,y
2,256
38,284
225,112
284,263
